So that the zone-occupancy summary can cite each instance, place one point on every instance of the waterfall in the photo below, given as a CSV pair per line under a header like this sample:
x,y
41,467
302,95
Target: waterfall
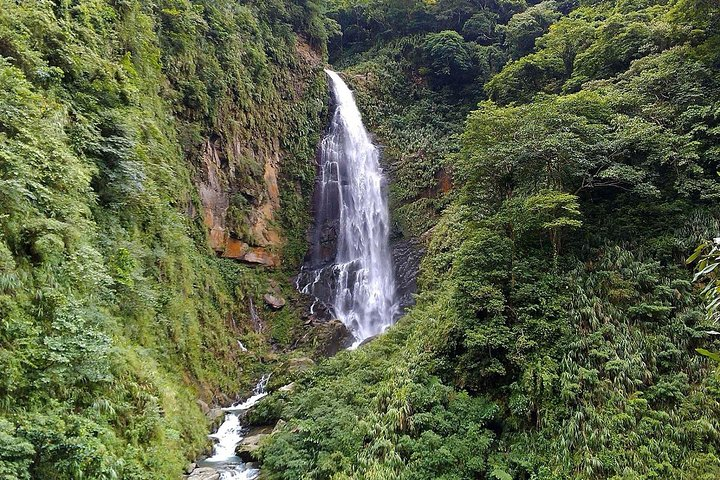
x,y
350,268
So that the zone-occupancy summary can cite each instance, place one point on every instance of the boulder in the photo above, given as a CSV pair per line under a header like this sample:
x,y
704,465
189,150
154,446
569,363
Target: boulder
x,y
203,406
260,256
331,337
249,445
189,469
214,413
279,425
204,473
275,302
287,388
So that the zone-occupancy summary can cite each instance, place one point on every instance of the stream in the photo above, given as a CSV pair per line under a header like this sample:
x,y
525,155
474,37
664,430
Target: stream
x,y
228,436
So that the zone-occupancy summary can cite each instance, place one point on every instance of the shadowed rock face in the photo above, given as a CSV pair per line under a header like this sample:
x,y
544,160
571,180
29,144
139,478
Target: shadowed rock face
x,y
332,337
322,237
407,254
323,234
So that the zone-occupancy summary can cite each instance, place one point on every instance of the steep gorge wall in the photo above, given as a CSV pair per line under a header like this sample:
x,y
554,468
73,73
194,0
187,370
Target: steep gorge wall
x,y
155,159
241,173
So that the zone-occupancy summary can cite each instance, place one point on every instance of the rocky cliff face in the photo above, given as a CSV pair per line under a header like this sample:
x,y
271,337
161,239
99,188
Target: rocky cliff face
x,y
248,233
241,170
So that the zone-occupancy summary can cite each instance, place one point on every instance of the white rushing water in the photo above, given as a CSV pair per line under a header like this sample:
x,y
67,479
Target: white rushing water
x,y
230,433
360,282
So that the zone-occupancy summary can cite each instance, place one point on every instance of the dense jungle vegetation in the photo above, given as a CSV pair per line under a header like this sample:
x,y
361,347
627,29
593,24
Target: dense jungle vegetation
x,y
558,160
115,315
557,322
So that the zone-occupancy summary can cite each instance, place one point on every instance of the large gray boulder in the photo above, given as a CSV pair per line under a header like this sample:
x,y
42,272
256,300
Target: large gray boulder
x,y
332,337
274,301
204,473
248,446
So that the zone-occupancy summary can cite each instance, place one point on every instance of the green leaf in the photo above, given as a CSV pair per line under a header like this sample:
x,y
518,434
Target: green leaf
x,y
501,474
711,355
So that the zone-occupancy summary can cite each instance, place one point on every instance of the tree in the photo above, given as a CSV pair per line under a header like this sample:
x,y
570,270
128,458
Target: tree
x,y
481,27
554,211
523,28
450,59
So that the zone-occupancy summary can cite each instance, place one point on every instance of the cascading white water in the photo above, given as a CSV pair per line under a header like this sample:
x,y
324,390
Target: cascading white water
x,y
359,282
229,435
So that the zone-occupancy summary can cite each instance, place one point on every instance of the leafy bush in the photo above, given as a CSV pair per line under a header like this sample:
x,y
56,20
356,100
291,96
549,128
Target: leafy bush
x,y
448,55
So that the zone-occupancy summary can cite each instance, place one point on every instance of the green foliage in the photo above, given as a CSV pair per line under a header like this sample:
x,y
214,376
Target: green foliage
x,y
600,42
523,28
707,256
480,27
115,316
555,303
448,54
556,331
17,453
404,424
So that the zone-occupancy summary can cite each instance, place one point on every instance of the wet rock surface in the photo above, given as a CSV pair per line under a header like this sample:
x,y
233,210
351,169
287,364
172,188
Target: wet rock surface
x,y
332,337
367,340
203,473
215,414
407,255
323,334
249,445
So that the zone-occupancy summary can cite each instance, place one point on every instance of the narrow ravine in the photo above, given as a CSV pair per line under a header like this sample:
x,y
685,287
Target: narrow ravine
x,y
349,268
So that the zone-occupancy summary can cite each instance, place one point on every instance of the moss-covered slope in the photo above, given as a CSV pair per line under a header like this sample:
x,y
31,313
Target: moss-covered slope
x,y
116,313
